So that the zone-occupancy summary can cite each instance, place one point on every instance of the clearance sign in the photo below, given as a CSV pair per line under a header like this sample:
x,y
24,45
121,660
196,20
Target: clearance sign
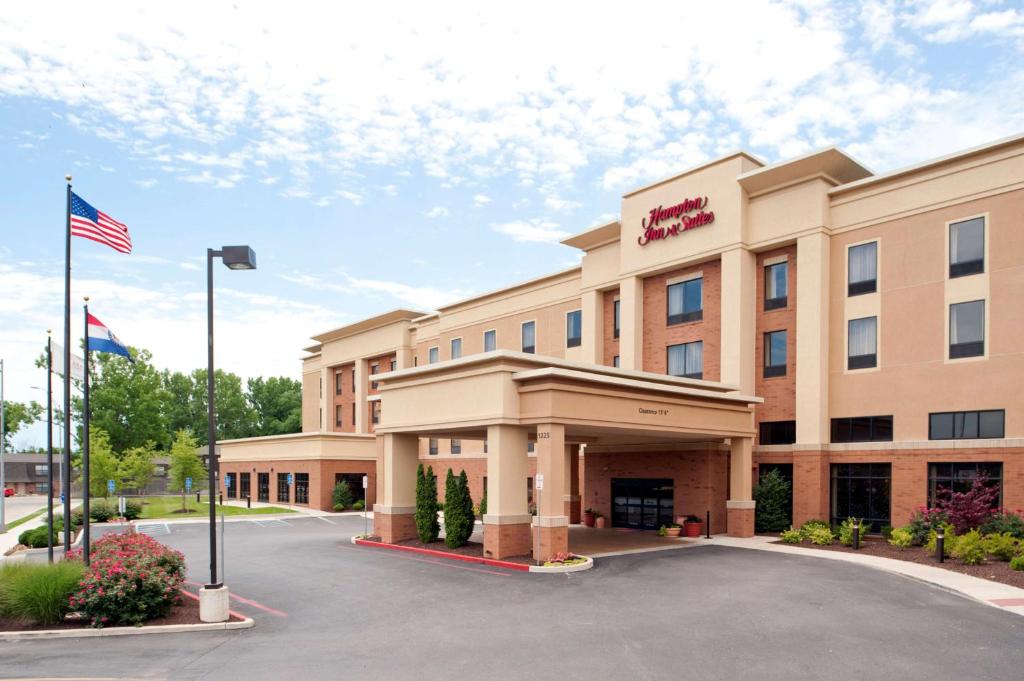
x,y
677,219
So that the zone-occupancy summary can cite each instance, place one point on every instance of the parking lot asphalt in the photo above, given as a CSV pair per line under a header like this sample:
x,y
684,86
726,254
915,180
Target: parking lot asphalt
x,y
326,609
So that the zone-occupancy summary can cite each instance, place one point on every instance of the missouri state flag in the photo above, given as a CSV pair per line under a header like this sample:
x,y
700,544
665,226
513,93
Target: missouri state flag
x,y
102,340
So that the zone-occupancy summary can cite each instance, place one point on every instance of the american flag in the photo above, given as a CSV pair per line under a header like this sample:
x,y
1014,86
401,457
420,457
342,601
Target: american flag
x,y
90,223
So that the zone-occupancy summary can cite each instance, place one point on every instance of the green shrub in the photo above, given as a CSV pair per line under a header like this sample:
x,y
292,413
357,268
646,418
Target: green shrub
x,y
970,548
790,536
338,508
901,538
1017,563
341,495
427,527
886,532
359,505
846,531
948,544
771,510
1002,546
810,526
923,522
458,510
36,538
483,505
101,511
822,536
1003,523
38,592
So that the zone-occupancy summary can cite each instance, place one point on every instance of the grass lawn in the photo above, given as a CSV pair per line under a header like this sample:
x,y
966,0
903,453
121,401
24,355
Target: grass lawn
x,y
170,507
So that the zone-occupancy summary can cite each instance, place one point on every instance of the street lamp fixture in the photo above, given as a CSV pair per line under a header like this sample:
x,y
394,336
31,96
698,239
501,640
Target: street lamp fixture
x,y
213,598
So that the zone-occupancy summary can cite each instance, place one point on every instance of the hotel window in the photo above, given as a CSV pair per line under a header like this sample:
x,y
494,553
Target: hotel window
x,y
775,286
393,365
283,491
490,340
339,412
353,379
243,485
485,477
863,269
529,337
615,361
231,483
353,414
966,247
686,360
967,425
338,382
456,348
685,301
574,329
529,448
862,429
775,354
432,446
456,446
861,352
375,412
433,355
777,432
959,477
302,488
41,469
615,319
967,329
861,490
374,369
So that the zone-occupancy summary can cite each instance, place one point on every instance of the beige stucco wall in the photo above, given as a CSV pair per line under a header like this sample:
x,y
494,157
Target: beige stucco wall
x,y
299,447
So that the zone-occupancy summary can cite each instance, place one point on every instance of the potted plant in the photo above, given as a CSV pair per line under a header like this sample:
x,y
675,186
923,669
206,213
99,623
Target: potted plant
x,y
693,526
588,517
670,530
599,520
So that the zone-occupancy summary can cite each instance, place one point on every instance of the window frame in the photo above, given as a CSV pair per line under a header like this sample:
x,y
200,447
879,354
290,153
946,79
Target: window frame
x,y
432,446
968,349
339,381
529,349
433,354
963,417
875,422
878,478
774,370
283,478
571,341
668,354
934,480
494,335
455,446
685,316
867,361
339,412
374,370
778,302
451,347
786,437
968,267
860,288
616,318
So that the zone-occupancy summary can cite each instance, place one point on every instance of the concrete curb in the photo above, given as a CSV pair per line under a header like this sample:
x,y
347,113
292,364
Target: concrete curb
x,y
559,569
246,623
522,567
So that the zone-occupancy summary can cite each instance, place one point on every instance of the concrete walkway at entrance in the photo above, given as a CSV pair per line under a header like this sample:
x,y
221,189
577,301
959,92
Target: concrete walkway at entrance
x,y
601,543
996,594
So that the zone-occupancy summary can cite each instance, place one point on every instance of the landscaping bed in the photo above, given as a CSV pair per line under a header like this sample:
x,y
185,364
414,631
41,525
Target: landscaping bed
x,y
992,570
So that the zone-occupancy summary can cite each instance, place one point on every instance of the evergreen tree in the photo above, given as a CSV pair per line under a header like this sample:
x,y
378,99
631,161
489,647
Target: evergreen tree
x,y
467,502
771,508
427,526
458,524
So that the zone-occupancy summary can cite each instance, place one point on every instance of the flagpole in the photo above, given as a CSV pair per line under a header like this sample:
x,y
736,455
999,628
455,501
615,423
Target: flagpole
x,y
49,447
85,444
67,372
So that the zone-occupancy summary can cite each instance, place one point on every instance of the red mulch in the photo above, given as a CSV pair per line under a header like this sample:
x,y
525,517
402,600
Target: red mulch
x,y
186,612
475,549
992,570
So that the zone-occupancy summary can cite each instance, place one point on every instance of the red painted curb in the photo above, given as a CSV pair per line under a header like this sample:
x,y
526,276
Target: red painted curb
x,y
444,554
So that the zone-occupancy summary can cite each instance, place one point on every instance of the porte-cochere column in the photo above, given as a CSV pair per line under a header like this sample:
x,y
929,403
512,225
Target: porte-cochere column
x,y
740,506
507,521
394,514
552,523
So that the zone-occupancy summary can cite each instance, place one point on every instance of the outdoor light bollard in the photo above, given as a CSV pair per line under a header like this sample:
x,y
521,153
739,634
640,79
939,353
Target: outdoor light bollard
x,y
940,544
707,526
197,497
856,535
248,501
220,498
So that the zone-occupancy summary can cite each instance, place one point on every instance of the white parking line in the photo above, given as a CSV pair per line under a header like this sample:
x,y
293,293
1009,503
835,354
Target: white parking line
x,y
271,522
325,519
154,529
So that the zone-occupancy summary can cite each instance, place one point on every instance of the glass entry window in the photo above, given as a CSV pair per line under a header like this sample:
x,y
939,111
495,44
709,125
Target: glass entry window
x,y
642,503
243,485
263,487
862,490
283,490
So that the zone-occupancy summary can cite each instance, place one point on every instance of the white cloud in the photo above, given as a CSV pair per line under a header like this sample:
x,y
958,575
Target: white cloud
x,y
145,184
561,205
436,212
535,230
353,197
423,298
481,200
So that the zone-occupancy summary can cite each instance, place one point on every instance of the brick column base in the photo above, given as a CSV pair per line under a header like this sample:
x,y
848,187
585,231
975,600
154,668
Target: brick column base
x,y
571,509
740,518
394,527
504,539
553,538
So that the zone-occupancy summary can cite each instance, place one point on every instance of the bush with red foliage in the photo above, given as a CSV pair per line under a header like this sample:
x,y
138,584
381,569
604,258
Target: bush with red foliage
x,y
131,578
971,509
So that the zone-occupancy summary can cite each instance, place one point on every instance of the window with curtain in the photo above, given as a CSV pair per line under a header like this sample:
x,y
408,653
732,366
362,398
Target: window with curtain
x,y
615,317
456,348
686,360
433,355
775,354
432,446
574,329
615,361
775,286
967,247
339,413
967,329
338,383
374,369
862,349
863,269
490,340
529,337
456,446
686,301
966,425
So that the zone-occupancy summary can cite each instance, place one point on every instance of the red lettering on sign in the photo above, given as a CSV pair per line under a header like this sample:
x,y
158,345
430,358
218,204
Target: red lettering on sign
x,y
681,212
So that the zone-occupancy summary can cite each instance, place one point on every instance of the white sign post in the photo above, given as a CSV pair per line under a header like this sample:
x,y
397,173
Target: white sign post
x,y
538,485
366,482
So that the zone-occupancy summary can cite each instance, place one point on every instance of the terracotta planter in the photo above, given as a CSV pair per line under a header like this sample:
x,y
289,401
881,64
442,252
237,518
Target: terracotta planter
x,y
673,531
693,529
599,522
588,519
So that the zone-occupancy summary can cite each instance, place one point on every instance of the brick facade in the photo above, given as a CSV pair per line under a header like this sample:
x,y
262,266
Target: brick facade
x,y
779,392
343,400
611,343
321,478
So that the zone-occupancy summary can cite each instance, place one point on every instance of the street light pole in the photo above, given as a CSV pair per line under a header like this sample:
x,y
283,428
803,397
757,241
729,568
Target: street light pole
x,y
213,598
3,431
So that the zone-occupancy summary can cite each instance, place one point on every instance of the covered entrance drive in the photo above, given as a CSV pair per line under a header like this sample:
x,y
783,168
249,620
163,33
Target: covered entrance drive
x,y
511,399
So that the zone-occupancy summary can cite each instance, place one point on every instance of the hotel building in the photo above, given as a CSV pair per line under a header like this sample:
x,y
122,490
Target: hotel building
x,y
862,334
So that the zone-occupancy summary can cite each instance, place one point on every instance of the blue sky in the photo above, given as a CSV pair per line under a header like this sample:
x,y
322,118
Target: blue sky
x,y
394,156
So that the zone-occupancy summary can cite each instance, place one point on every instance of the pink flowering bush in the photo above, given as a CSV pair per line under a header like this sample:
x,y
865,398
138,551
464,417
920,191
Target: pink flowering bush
x,y
132,578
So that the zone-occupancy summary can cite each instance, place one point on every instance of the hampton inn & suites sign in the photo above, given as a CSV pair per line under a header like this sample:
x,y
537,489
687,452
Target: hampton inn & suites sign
x,y
664,222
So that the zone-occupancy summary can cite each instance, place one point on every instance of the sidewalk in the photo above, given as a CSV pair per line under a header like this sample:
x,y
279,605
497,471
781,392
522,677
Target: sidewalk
x,y
998,595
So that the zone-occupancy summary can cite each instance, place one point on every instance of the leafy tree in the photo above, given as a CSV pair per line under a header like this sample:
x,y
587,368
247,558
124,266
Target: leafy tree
x,y
458,522
235,418
971,509
427,526
341,496
771,508
180,410
102,463
17,415
136,467
276,404
185,463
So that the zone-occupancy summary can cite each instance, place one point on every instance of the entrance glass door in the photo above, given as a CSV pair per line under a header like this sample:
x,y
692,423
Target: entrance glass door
x,y
642,503
263,487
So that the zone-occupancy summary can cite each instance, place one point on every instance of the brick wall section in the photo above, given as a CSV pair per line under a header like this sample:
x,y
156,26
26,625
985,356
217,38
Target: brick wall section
x,y
476,470
779,392
611,343
701,480
321,477
658,335
345,400
384,365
